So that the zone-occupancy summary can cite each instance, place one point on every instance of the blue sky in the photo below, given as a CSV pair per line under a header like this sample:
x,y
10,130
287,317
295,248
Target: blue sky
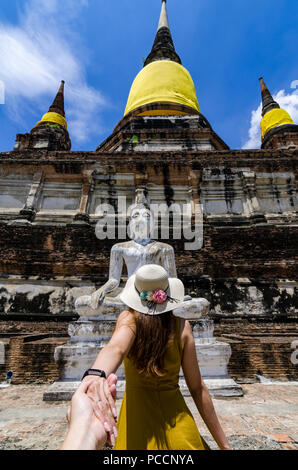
x,y
97,46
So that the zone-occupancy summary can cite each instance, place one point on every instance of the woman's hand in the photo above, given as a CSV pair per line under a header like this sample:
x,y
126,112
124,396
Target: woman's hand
x,y
102,398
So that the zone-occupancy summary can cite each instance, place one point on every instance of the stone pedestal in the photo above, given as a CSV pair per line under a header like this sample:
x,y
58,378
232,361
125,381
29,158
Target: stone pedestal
x,y
90,334
213,358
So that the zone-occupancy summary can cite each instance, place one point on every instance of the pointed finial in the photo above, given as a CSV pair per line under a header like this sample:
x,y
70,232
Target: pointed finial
x,y
56,113
274,117
268,101
58,103
163,20
163,47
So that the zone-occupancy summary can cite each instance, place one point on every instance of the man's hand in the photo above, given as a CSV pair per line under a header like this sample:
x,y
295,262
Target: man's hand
x,y
85,432
81,413
102,394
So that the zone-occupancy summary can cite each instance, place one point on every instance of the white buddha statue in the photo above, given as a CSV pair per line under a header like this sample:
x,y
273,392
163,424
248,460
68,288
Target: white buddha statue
x,y
137,252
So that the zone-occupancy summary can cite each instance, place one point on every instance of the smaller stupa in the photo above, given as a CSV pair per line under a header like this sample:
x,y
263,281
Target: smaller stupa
x,y
50,133
277,126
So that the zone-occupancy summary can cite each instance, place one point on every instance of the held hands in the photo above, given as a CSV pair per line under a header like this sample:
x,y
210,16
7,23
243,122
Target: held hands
x,y
102,394
87,431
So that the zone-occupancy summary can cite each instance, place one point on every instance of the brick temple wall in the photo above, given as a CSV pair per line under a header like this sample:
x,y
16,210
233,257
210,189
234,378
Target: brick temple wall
x,y
237,270
29,349
45,251
31,358
257,347
246,268
247,263
39,326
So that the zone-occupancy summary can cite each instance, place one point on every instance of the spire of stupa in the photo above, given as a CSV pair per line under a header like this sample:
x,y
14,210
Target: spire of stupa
x,y
56,113
274,117
267,100
58,103
163,20
163,47
50,133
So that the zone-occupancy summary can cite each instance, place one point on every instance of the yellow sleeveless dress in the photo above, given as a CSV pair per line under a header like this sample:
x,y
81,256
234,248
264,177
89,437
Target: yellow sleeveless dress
x,y
154,415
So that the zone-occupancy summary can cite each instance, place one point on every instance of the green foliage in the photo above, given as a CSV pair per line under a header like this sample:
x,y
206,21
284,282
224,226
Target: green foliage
x,y
134,139
55,126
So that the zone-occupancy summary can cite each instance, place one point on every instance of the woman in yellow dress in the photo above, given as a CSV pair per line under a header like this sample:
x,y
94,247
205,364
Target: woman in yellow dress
x,y
154,345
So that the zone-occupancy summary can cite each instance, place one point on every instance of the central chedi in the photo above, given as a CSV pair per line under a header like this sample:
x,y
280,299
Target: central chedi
x,y
162,97
164,86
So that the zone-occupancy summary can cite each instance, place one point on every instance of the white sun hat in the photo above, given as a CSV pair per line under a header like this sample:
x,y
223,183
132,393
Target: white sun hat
x,y
151,291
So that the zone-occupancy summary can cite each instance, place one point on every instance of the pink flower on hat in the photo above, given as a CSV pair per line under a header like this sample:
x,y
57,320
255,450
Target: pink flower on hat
x,y
159,296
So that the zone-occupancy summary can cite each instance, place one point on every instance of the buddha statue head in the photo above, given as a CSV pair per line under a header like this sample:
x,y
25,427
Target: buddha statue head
x,y
141,221
141,224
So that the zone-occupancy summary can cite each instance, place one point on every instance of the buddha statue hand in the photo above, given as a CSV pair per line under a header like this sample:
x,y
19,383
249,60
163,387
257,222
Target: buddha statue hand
x,y
98,297
83,301
86,304
89,305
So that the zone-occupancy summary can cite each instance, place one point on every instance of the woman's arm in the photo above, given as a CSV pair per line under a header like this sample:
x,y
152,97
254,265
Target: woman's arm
x,y
111,356
109,359
198,389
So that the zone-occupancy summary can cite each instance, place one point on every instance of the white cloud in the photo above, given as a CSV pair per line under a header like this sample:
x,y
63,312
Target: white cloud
x,y
35,55
287,101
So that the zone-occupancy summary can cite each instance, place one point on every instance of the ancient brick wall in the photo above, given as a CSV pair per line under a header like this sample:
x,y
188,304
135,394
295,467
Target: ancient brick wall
x,y
246,267
257,251
239,267
270,357
29,349
259,347
32,359
40,326
246,246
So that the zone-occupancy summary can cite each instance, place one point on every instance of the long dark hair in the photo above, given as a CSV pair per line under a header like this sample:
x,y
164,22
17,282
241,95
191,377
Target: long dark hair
x,y
152,336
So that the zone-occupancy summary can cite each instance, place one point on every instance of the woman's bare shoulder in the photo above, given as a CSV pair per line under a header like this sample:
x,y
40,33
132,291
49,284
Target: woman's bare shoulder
x,y
185,326
126,318
186,331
